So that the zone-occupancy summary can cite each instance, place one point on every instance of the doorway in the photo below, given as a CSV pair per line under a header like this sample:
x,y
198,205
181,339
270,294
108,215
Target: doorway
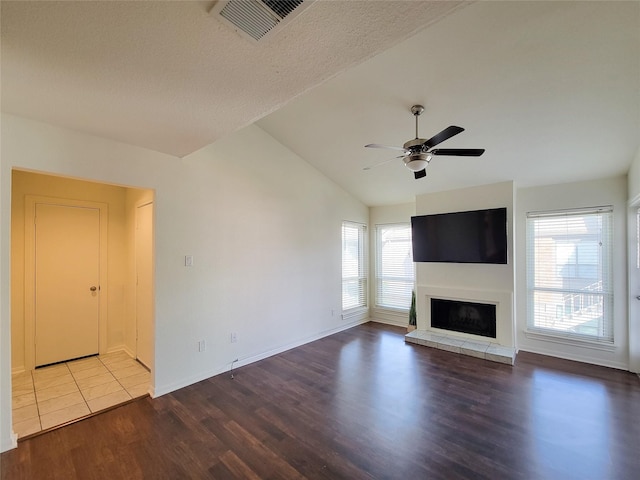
x,y
43,209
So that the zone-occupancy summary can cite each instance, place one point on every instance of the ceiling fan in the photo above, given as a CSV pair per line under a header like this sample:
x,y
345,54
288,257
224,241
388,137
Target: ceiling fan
x,y
417,154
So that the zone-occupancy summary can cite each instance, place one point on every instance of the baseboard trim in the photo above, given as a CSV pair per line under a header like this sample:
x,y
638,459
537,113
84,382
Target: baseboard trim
x,y
164,389
576,358
11,444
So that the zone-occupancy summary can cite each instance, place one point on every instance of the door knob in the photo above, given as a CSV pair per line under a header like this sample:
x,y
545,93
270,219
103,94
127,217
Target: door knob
x,y
93,289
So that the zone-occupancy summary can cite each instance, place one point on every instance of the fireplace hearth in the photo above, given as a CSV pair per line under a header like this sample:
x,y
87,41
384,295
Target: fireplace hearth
x,y
464,317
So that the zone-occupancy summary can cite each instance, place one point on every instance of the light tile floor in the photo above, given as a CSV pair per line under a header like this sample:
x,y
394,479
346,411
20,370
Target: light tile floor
x,y
51,396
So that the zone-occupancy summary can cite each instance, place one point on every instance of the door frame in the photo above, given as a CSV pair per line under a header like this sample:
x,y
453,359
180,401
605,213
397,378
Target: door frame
x,y
30,203
152,333
633,283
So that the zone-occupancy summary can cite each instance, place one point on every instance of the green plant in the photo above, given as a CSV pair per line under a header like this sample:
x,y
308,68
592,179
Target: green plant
x,y
412,310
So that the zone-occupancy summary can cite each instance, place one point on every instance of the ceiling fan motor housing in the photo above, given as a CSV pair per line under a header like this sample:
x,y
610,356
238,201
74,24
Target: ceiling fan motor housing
x,y
415,145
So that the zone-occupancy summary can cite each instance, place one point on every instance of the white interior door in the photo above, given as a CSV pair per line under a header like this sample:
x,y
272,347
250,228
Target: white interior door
x,y
67,290
144,284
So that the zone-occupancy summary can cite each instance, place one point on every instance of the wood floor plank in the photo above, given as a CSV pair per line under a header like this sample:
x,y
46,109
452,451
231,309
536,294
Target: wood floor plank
x,y
361,404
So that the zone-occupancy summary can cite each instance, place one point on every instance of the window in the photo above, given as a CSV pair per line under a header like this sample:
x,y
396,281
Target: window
x,y
394,266
569,275
354,271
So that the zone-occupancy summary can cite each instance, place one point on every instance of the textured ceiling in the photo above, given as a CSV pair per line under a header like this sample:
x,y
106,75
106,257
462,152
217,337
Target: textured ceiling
x,y
550,89
169,76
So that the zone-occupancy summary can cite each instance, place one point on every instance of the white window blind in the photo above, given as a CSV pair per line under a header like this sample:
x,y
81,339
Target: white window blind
x,y
354,269
569,273
394,266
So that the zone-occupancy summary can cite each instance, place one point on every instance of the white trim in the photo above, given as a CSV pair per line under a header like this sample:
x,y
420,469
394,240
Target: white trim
x,y
576,358
570,340
185,382
11,444
571,211
635,201
138,206
122,348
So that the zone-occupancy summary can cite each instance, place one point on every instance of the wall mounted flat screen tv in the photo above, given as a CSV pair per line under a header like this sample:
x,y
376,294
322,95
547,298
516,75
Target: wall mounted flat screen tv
x,y
478,236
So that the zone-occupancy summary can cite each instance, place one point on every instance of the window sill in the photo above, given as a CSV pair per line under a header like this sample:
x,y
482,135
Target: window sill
x,y
573,341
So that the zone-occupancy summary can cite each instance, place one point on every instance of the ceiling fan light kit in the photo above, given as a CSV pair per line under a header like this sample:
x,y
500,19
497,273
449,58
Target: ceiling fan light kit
x,y
417,162
417,154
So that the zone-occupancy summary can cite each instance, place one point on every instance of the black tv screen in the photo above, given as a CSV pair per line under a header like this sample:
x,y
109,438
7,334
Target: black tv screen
x,y
478,236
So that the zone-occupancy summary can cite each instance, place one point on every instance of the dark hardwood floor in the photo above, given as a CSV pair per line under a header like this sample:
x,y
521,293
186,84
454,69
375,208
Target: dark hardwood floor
x,y
361,404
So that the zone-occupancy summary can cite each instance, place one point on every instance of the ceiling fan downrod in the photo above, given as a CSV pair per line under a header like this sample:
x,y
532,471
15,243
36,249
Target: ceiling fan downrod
x,y
417,111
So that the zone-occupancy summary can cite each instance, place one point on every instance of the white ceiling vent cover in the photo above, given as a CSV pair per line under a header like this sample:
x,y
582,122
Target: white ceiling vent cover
x,y
254,19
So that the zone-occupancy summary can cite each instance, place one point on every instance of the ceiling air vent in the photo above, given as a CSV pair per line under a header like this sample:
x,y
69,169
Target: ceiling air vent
x,y
254,19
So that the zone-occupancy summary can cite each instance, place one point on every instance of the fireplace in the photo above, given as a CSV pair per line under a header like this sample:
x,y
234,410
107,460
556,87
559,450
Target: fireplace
x,y
483,324
464,317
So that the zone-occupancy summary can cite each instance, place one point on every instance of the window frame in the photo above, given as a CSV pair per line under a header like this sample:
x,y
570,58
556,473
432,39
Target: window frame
x,y
379,230
363,277
605,239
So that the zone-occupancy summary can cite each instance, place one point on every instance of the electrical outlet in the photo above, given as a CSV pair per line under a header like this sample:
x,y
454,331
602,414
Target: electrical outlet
x,y
188,260
234,337
202,346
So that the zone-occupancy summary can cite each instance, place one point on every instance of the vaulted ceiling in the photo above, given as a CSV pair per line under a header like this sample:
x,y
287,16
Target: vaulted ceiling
x,y
551,90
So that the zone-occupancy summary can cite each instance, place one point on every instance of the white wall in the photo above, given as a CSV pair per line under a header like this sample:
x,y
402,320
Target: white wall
x,y
464,276
385,215
610,191
262,225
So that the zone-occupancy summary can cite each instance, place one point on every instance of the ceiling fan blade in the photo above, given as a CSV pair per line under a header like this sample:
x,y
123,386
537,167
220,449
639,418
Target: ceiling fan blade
x,y
420,174
445,134
377,145
382,163
458,152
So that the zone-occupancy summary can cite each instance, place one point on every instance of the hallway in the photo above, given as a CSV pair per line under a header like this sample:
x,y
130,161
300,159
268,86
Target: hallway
x,y
58,394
